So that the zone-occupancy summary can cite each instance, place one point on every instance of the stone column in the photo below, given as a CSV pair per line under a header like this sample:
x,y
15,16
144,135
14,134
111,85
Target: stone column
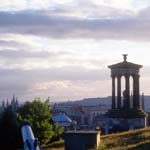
x,y
113,93
127,84
136,95
119,92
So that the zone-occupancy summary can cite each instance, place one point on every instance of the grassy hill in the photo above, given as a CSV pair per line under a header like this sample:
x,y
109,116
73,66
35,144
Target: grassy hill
x,y
131,140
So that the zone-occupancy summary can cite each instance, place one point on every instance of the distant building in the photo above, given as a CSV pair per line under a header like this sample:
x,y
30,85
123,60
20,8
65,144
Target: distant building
x,y
72,111
63,120
14,104
83,115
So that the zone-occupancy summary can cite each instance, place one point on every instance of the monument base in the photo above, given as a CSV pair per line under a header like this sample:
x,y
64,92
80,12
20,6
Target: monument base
x,y
137,123
113,125
126,113
125,119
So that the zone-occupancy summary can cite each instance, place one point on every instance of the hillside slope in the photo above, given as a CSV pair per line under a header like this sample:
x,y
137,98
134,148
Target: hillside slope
x,y
131,140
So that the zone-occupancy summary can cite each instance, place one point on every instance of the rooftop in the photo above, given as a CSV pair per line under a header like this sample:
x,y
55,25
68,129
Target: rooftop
x,y
61,118
125,64
82,132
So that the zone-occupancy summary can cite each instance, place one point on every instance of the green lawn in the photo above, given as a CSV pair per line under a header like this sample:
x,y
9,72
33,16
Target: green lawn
x,y
55,146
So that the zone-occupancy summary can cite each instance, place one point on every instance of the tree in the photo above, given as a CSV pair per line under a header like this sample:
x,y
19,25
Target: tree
x,y
58,132
10,137
38,114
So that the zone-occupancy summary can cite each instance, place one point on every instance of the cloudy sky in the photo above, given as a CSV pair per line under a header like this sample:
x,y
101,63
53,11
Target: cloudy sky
x,y
61,48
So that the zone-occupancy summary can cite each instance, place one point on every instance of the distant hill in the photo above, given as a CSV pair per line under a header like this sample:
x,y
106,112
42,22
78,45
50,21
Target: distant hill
x,y
104,101
95,101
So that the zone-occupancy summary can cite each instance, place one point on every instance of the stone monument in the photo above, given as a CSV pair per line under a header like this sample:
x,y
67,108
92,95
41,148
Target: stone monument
x,y
123,107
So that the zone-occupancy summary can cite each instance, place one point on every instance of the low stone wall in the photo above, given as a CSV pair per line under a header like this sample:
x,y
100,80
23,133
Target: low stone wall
x,y
82,140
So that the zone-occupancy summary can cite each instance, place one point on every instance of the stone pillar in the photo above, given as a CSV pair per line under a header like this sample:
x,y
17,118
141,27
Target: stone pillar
x,y
127,84
136,95
119,92
113,93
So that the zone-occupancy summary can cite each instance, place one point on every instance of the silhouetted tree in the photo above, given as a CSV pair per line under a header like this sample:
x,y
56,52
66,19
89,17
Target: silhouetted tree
x,y
10,137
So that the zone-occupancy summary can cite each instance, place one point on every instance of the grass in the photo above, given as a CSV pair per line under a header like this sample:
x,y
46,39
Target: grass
x,y
55,146
131,140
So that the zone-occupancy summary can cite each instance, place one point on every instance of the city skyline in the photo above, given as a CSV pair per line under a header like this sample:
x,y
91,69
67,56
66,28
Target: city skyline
x,y
61,49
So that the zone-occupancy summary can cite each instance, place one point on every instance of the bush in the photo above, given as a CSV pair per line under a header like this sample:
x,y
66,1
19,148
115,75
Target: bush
x,y
38,114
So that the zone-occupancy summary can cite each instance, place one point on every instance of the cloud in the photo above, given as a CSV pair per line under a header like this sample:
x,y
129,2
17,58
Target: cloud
x,y
12,44
40,24
47,82
73,90
22,54
57,73
17,5
44,59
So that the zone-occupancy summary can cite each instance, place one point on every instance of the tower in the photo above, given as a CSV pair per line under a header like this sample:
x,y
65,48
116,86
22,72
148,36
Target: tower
x,y
123,106
126,69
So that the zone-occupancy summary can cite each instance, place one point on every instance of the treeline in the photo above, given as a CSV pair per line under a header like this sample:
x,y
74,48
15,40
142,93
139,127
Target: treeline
x,y
38,113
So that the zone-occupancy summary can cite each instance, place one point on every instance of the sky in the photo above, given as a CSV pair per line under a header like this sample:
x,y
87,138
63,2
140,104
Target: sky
x,y
61,48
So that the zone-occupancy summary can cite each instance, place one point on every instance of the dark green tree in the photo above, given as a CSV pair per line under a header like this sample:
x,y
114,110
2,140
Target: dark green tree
x,y
38,114
58,132
10,137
